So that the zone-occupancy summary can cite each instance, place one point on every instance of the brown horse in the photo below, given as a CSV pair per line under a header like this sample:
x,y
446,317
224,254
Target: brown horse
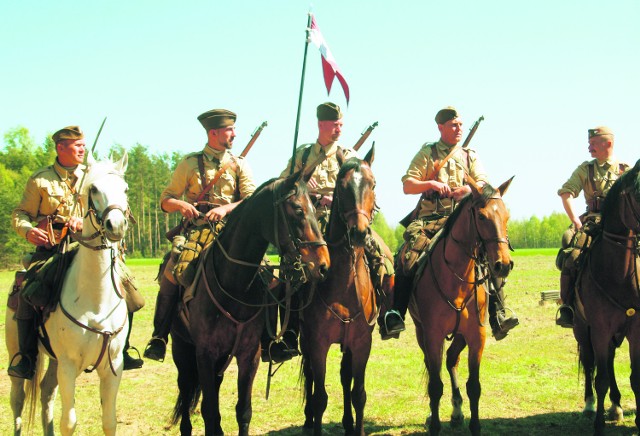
x,y
342,309
608,292
450,299
227,311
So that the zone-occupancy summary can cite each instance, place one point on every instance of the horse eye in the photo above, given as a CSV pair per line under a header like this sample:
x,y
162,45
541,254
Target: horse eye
x,y
299,212
482,217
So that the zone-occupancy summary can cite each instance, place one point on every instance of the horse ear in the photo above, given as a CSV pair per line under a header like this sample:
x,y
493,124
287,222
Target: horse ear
x,y
503,188
123,162
90,159
371,154
475,189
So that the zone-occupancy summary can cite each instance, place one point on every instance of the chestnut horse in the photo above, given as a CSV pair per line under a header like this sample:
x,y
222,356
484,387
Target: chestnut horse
x,y
607,293
226,314
342,309
450,299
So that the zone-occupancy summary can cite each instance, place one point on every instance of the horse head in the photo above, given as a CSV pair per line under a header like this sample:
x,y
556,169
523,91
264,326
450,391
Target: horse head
x,y
354,199
298,235
623,200
104,190
490,216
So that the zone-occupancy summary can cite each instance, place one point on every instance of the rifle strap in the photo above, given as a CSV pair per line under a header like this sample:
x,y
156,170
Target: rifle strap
x,y
222,168
203,177
438,165
307,151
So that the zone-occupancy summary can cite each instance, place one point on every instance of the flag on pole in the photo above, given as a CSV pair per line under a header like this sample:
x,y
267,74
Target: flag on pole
x,y
329,67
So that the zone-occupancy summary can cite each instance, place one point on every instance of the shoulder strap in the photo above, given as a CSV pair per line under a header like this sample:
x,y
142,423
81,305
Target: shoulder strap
x,y
203,175
592,174
305,156
340,155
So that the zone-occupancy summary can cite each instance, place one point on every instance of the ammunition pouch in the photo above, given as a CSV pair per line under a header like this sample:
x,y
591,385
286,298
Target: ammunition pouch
x,y
132,296
574,243
187,261
14,295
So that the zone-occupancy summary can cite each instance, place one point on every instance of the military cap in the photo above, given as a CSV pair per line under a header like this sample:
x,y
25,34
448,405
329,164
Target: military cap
x,y
217,119
600,131
446,114
69,132
329,112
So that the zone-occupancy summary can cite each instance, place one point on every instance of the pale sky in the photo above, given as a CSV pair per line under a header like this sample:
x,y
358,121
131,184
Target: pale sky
x,y
540,72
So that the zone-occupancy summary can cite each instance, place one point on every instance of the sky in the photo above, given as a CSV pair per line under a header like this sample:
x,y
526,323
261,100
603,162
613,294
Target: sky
x,y
540,72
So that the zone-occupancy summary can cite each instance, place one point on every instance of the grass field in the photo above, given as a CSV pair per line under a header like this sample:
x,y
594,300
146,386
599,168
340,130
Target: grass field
x,y
530,380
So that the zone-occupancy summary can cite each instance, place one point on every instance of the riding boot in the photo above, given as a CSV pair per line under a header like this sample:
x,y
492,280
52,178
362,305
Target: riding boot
x,y
166,304
28,343
391,323
131,362
501,319
564,317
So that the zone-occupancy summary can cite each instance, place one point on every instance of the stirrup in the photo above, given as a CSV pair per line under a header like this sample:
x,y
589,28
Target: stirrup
x,y
26,359
149,352
385,333
562,321
131,362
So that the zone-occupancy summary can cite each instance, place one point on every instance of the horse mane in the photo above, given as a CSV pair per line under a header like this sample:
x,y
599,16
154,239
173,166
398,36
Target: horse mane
x,y
629,179
351,163
488,192
96,171
234,216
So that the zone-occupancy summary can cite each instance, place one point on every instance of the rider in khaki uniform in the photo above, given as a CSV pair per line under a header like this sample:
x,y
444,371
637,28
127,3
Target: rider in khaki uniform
x,y
595,179
321,185
189,179
49,200
439,198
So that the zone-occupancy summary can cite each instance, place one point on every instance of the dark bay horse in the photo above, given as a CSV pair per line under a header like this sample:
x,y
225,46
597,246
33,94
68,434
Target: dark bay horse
x,y
226,313
608,293
343,308
450,299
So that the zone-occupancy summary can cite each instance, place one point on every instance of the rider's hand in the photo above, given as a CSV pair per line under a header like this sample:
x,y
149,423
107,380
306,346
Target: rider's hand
x,y
216,214
442,189
74,224
37,237
459,193
326,200
187,210
312,183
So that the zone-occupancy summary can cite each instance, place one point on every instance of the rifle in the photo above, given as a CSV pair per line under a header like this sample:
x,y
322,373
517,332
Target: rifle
x,y
254,137
364,135
437,166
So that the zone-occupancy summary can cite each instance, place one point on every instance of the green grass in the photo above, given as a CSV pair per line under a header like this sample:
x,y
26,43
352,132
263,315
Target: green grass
x,y
530,380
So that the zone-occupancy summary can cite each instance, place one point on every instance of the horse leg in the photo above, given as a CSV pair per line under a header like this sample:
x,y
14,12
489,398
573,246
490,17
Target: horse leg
x,y
184,358
210,381
601,348
453,358
615,412
587,359
634,353
247,368
318,359
308,389
17,397
48,391
67,381
108,393
473,383
346,377
433,362
359,359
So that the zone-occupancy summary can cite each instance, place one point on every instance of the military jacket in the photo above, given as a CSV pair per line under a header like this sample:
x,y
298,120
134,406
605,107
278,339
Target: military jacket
x,y
48,190
452,173
326,173
234,184
604,175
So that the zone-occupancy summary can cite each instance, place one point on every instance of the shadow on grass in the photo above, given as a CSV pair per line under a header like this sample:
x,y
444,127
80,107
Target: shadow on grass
x,y
550,424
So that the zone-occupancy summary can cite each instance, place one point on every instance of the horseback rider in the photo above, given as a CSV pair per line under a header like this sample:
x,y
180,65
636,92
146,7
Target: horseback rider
x,y
595,179
440,196
191,177
329,155
49,199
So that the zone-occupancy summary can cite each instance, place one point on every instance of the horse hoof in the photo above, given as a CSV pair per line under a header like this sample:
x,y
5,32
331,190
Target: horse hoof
x,y
457,421
615,413
589,414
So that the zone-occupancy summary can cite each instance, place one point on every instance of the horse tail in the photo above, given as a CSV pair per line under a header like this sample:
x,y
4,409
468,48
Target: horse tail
x,y
302,379
32,392
189,389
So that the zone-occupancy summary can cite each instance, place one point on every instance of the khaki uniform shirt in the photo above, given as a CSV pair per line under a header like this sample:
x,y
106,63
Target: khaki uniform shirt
x,y
48,190
605,173
326,173
452,173
234,184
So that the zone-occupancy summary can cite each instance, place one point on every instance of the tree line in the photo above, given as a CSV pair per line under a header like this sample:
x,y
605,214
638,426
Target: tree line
x,y
148,174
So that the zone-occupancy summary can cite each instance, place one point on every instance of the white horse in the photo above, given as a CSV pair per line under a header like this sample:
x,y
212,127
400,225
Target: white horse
x,y
88,329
